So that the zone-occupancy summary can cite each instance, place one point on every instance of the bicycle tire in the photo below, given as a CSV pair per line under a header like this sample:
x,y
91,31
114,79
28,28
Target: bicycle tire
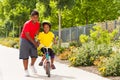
x,y
48,69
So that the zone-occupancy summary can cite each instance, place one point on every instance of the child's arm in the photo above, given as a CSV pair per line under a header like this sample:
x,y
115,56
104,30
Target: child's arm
x,y
55,41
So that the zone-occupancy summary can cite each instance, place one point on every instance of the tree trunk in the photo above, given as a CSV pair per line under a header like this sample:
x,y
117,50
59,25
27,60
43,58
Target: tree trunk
x,y
59,14
13,31
19,30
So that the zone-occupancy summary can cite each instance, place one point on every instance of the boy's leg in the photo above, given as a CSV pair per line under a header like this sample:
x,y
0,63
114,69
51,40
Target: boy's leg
x,y
24,54
32,65
34,55
33,61
25,63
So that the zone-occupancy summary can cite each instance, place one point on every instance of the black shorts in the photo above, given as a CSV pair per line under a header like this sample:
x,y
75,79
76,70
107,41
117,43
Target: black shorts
x,y
51,52
27,49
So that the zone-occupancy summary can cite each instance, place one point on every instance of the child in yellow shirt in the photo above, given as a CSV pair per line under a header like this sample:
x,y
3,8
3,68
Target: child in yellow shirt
x,y
46,38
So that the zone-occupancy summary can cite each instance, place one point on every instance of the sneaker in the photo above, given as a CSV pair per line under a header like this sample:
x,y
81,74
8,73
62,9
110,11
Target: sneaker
x,y
53,66
33,69
41,63
27,73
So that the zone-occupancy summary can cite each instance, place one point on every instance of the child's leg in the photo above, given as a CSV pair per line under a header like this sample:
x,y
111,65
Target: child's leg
x,y
52,60
52,63
43,57
42,60
43,51
52,54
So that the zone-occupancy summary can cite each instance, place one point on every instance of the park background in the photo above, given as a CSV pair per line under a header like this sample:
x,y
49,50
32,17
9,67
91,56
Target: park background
x,y
91,27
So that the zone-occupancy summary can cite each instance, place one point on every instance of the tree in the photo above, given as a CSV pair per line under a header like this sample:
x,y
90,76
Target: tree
x,y
16,12
71,13
61,4
18,16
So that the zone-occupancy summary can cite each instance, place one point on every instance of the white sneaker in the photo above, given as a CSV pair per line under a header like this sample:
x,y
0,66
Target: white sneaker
x,y
27,73
33,69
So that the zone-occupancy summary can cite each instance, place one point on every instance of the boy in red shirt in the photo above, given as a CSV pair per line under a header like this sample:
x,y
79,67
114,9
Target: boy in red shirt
x,y
28,45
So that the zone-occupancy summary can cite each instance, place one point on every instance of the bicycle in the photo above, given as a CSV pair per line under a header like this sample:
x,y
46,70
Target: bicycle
x,y
46,64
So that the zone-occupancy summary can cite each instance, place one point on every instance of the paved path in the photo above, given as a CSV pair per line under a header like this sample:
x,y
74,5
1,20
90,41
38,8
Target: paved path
x,y
11,68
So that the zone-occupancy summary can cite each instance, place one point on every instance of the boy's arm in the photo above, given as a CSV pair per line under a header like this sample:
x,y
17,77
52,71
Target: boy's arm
x,y
38,38
37,32
27,34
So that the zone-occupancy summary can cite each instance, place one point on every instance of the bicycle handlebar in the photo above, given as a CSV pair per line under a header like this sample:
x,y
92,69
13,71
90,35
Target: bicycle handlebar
x,y
48,46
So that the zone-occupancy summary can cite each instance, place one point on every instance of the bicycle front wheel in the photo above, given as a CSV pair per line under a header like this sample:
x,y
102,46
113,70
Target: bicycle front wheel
x,y
48,69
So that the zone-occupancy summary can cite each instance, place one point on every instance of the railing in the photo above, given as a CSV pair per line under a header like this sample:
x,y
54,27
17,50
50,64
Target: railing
x,y
73,33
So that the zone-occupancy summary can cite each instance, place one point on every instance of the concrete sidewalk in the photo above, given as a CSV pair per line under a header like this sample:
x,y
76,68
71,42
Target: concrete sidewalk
x,y
11,68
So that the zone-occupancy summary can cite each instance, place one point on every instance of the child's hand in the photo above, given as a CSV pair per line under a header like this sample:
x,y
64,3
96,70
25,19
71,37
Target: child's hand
x,y
55,42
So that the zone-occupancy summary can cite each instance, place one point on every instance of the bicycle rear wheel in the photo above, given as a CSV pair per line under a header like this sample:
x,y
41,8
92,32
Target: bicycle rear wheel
x,y
48,69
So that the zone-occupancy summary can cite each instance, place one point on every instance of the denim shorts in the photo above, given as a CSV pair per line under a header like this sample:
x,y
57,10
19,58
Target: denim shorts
x,y
27,49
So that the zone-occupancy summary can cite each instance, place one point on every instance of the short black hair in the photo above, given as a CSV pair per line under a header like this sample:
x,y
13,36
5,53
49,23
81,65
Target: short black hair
x,y
34,12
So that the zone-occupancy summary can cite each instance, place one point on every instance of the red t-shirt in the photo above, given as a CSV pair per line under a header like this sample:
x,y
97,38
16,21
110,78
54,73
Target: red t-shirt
x,y
30,27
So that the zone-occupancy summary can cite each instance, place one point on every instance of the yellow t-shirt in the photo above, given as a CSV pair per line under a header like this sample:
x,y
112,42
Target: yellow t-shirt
x,y
46,39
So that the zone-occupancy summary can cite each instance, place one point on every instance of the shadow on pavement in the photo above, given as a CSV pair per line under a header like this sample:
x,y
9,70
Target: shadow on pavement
x,y
53,77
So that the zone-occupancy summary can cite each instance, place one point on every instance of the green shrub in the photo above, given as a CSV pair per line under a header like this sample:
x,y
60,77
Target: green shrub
x,y
110,66
83,38
88,52
99,36
10,42
75,43
65,54
61,49
116,45
58,50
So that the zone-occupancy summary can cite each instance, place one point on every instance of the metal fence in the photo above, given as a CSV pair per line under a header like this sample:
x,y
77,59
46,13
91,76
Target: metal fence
x,y
73,33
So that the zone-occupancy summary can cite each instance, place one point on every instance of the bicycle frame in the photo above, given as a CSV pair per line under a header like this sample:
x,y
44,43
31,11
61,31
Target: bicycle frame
x,y
47,54
47,62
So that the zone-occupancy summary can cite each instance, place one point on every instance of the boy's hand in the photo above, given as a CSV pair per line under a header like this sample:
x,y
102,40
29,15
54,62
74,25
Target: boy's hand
x,y
36,44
